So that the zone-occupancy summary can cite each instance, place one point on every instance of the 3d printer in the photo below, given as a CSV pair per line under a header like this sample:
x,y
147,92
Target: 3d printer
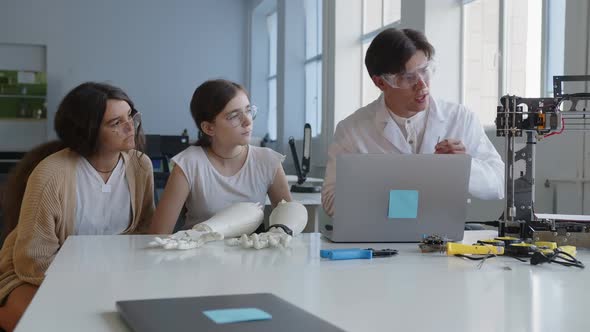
x,y
537,118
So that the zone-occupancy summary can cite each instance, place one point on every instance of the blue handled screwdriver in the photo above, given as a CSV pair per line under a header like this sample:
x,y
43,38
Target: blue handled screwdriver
x,y
356,253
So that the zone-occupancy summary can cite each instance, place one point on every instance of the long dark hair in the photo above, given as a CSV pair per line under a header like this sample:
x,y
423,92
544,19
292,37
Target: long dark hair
x,y
77,124
80,114
209,99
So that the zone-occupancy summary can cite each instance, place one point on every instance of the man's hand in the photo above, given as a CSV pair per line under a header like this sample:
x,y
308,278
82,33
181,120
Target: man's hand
x,y
450,146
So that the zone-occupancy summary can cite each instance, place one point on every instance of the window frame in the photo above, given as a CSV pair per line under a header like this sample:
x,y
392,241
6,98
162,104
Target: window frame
x,y
317,58
368,36
272,77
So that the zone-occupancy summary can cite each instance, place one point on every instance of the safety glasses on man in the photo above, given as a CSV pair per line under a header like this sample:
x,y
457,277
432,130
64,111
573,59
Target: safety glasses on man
x,y
407,80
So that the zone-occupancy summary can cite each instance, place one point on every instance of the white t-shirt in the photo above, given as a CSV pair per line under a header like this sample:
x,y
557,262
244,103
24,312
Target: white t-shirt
x,y
412,128
210,191
101,208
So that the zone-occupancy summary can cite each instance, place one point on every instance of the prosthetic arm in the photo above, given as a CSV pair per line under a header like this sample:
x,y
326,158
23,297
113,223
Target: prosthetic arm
x,y
287,220
237,219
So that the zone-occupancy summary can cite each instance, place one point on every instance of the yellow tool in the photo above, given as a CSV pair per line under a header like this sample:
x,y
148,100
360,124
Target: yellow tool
x,y
527,249
492,242
569,249
546,245
468,249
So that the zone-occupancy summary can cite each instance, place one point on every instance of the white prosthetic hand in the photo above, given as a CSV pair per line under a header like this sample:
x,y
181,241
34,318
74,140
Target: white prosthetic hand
x,y
288,219
189,239
239,218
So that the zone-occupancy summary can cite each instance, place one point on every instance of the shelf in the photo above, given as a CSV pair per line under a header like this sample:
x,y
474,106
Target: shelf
x,y
4,120
22,96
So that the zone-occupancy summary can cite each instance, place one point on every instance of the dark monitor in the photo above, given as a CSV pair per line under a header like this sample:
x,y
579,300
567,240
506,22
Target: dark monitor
x,y
152,146
158,164
161,148
173,145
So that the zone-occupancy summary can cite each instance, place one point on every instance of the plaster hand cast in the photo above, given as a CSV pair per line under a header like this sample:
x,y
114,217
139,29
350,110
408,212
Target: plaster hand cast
x,y
237,219
288,219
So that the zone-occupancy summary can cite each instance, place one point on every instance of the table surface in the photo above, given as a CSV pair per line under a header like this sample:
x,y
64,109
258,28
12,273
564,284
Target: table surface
x,y
410,291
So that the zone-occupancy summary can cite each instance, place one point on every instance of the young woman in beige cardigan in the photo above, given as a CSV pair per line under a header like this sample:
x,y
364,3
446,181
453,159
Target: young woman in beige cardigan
x,y
91,181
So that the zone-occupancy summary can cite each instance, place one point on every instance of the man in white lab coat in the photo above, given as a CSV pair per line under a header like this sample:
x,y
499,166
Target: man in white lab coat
x,y
407,119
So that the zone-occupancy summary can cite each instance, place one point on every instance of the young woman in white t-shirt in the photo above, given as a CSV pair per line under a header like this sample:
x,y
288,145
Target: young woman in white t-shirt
x,y
221,168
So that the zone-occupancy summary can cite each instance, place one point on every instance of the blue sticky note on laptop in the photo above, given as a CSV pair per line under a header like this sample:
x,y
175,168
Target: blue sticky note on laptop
x,y
403,204
236,315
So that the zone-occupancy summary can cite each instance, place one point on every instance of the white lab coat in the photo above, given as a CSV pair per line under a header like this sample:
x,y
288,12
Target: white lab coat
x,y
372,130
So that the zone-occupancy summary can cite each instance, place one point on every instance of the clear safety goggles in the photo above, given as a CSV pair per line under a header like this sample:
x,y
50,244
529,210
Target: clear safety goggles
x,y
407,80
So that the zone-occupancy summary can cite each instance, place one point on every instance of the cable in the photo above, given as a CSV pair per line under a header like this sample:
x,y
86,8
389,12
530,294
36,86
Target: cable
x,y
557,257
557,132
475,258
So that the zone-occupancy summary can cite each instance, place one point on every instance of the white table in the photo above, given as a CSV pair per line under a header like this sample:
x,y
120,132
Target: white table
x,y
409,292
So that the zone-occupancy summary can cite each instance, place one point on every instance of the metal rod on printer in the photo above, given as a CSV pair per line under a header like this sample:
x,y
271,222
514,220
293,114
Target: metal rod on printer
x,y
510,104
512,157
505,115
531,149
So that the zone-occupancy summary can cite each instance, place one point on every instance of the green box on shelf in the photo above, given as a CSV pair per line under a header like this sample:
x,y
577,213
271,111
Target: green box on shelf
x,y
22,100
8,76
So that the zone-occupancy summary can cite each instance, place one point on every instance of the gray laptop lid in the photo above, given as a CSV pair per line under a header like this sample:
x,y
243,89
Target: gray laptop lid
x,y
186,314
399,197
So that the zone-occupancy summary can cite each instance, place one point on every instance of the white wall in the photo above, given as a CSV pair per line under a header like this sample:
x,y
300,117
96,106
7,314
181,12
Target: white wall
x,y
18,135
157,51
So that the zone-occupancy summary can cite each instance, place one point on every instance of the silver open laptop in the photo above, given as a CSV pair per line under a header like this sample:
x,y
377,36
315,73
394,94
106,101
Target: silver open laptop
x,y
399,197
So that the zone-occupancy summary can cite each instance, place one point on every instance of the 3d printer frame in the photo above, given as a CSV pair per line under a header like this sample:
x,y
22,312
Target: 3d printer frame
x,y
536,118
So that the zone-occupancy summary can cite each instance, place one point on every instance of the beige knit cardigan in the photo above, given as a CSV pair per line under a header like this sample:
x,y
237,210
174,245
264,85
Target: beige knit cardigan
x,y
47,215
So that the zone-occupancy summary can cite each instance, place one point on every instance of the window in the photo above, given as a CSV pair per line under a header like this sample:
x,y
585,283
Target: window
x,y
380,13
271,24
313,65
555,45
481,58
523,47
377,15
504,52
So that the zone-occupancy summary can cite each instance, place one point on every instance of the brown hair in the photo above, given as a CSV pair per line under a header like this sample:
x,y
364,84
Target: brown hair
x,y
80,114
77,124
392,48
209,99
